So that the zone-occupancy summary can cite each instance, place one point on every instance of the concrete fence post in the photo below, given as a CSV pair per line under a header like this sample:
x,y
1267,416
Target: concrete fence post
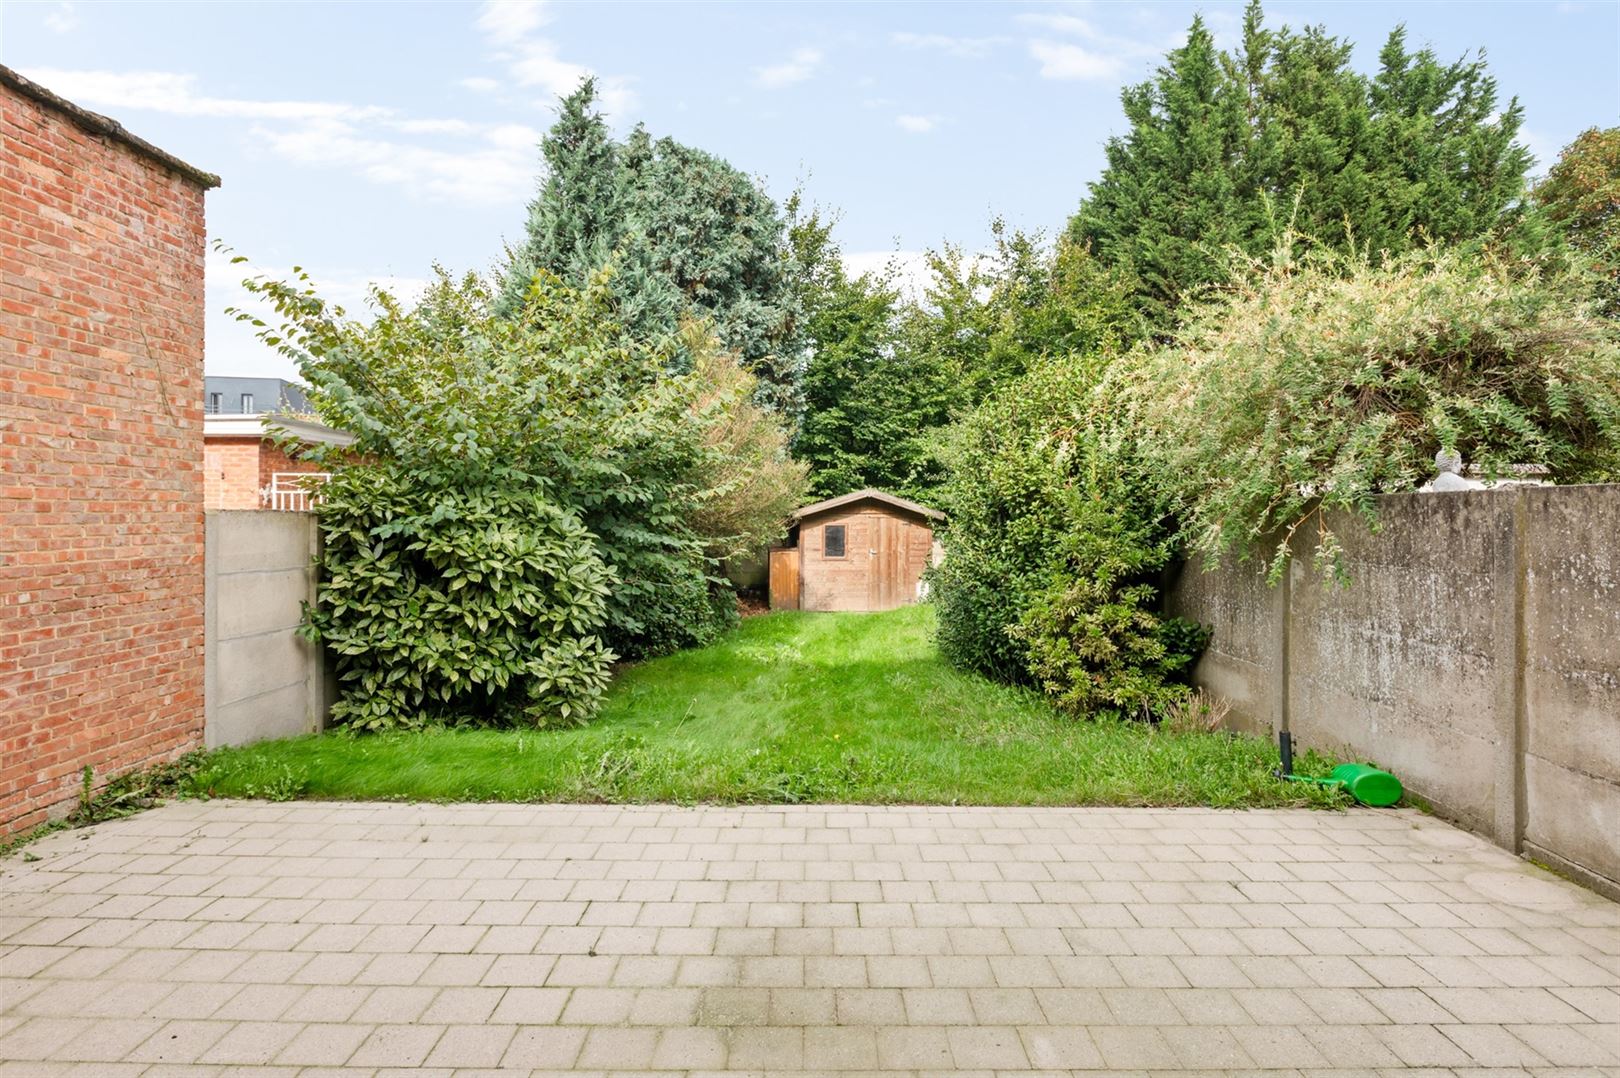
x,y
320,681
1278,659
1509,704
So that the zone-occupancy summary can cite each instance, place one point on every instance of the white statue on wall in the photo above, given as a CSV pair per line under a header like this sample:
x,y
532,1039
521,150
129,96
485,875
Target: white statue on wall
x,y
1448,464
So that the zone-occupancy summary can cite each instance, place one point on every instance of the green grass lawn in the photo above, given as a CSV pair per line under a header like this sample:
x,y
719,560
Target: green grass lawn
x,y
788,708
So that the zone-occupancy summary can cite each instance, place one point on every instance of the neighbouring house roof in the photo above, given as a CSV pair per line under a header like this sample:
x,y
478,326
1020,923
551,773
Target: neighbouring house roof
x,y
869,494
105,126
270,425
274,394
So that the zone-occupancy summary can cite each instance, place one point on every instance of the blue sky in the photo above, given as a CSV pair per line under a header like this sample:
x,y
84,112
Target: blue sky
x,y
368,141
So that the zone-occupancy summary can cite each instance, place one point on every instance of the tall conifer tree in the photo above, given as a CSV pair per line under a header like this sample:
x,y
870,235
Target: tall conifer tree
x,y
1226,149
687,235
576,221
1170,196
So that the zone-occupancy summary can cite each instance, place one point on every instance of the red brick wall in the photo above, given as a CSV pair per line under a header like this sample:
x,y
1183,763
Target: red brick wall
x,y
101,451
273,459
237,470
231,473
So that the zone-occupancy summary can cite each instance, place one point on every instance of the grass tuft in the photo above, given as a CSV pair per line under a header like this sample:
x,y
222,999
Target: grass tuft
x,y
788,709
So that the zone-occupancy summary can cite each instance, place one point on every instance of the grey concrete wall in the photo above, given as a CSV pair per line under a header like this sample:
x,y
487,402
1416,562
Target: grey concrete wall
x,y
262,680
1570,729
1240,663
1475,653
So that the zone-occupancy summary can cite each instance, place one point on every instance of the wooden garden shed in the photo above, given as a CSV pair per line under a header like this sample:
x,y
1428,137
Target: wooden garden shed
x,y
860,551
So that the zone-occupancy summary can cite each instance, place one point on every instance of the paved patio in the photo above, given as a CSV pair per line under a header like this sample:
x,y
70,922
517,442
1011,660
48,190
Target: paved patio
x,y
314,939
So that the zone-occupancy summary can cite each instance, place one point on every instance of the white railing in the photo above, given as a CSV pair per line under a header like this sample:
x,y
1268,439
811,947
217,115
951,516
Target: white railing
x,y
294,492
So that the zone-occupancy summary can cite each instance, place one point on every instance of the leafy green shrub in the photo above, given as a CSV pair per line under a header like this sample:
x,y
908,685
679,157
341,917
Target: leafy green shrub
x,y
1100,649
1316,383
1054,551
453,605
1579,195
1005,493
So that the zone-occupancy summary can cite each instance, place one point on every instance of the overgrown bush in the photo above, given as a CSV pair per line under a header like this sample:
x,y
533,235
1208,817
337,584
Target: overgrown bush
x,y
1054,551
1008,477
448,603
1311,384
525,499
1316,383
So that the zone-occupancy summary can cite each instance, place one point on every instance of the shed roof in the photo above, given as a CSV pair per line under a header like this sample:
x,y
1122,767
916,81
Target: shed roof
x,y
98,124
869,494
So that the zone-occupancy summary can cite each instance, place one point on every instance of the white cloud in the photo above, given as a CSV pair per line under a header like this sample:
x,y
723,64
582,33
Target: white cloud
x,y
63,18
432,127
1064,60
490,164
798,67
507,22
167,91
1074,26
496,169
1071,25
479,85
917,125
1543,148
1226,28
534,62
966,47
347,287
1103,56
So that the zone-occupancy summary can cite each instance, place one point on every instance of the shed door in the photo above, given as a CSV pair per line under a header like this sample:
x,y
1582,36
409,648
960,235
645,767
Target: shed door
x,y
785,579
886,582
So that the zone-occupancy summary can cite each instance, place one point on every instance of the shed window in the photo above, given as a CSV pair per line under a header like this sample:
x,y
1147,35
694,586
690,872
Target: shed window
x,y
832,541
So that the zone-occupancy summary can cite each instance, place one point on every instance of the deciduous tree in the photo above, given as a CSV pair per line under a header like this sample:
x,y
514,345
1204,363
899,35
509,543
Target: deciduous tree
x,y
1581,197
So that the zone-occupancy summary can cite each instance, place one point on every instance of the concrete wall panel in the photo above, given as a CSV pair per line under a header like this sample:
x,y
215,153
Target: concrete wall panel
x,y
1574,822
263,679
260,602
1399,665
254,541
1475,653
1235,599
1572,674
283,712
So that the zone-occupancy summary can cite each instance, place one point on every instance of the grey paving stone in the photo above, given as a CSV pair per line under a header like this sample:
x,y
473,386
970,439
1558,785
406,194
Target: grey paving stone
x,y
233,938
